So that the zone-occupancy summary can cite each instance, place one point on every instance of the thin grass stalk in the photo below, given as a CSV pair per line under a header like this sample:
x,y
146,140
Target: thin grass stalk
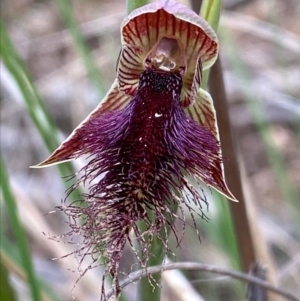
x,y
65,9
33,101
34,104
19,234
222,232
211,12
10,258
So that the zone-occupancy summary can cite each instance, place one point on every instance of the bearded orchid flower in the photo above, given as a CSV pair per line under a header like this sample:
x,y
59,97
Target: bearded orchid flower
x,y
152,138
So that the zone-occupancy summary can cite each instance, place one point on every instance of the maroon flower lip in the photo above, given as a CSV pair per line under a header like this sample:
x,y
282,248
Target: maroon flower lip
x,y
142,154
150,140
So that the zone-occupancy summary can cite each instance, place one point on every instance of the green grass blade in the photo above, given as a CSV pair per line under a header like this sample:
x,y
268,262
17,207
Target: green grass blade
x,y
211,12
19,234
7,292
65,9
133,4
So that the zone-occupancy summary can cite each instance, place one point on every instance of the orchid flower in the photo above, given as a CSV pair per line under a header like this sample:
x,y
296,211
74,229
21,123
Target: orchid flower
x,y
152,138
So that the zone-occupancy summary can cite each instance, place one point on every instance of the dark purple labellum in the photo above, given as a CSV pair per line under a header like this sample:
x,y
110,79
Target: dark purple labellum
x,y
140,159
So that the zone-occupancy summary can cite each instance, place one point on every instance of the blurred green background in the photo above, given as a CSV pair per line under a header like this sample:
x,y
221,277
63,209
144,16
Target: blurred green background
x,y
70,73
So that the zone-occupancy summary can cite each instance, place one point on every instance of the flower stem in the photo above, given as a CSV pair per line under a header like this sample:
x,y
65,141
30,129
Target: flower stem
x,y
147,290
211,12
150,290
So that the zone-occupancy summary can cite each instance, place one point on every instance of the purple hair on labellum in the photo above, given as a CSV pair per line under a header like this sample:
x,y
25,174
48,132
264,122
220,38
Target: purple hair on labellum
x,y
140,159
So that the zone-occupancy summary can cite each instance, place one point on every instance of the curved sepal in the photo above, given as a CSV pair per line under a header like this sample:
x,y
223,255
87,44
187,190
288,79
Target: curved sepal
x,y
223,189
203,112
70,148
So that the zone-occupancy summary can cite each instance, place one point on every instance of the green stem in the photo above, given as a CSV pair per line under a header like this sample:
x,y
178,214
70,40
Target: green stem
x,y
133,4
211,12
150,291
147,290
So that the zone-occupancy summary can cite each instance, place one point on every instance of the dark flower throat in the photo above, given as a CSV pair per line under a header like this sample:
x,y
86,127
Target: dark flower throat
x,y
140,159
